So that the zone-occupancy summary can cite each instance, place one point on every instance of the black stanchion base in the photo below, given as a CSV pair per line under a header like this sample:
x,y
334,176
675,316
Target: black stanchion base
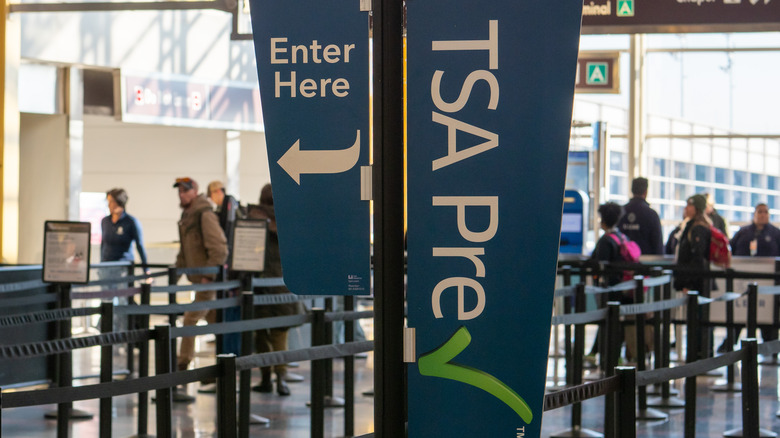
x,y
143,435
257,419
668,402
577,432
650,414
75,414
370,393
737,433
331,402
727,387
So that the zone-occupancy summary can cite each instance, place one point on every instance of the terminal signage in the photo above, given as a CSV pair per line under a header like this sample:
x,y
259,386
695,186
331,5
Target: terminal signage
x,y
488,135
598,72
312,65
679,16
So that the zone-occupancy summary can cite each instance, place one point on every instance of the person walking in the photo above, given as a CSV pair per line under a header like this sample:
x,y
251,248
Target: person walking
x,y
202,244
119,232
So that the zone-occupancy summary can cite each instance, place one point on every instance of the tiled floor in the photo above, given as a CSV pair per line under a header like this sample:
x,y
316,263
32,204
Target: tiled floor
x,y
289,416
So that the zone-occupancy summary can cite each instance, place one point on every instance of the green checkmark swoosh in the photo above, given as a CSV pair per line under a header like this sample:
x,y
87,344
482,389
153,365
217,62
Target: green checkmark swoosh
x,y
437,364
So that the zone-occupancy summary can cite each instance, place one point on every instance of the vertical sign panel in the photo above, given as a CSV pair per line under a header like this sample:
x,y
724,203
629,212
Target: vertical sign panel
x,y
491,86
312,64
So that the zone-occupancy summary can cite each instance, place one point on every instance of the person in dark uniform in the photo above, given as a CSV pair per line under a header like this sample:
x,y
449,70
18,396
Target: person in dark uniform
x,y
759,239
640,223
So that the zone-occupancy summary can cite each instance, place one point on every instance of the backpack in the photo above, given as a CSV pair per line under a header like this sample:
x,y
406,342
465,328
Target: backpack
x,y
720,252
629,250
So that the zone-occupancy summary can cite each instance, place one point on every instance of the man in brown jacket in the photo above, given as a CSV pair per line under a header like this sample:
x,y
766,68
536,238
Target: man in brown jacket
x,y
202,243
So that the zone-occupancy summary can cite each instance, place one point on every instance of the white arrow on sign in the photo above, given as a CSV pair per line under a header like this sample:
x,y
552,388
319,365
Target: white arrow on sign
x,y
296,162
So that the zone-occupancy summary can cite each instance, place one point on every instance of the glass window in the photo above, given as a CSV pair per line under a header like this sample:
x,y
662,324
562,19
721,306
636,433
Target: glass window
x,y
659,167
682,191
740,178
720,196
702,173
772,202
618,161
721,175
681,170
658,189
755,180
739,197
771,182
618,185
756,198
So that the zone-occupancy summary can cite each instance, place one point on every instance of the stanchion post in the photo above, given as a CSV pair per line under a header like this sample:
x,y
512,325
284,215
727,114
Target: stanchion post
x,y
349,370
657,360
162,358
106,367
666,342
65,364
730,329
611,352
567,353
221,294
143,363
329,362
318,376
130,320
173,279
626,402
226,396
245,376
692,346
752,310
639,324
750,419
578,353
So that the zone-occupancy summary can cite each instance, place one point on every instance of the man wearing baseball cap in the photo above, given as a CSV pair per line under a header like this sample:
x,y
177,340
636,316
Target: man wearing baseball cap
x,y
202,243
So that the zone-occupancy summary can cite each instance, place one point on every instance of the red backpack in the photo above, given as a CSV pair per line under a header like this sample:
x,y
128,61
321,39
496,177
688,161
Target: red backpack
x,y
720,252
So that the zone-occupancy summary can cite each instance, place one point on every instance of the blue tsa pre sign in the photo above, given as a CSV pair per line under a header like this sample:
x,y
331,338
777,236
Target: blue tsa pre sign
x,y
312,64
490,92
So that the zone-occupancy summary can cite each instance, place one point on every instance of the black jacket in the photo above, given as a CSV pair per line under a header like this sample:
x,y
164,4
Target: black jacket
x,y
641,224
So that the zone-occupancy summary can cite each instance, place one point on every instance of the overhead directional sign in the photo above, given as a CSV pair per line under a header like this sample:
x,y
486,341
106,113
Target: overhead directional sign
x,y
678,16
312,64
488,135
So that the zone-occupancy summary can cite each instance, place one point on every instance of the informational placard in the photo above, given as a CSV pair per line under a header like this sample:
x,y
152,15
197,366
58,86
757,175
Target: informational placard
x,y
66,252
312,64
249,237
490,94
